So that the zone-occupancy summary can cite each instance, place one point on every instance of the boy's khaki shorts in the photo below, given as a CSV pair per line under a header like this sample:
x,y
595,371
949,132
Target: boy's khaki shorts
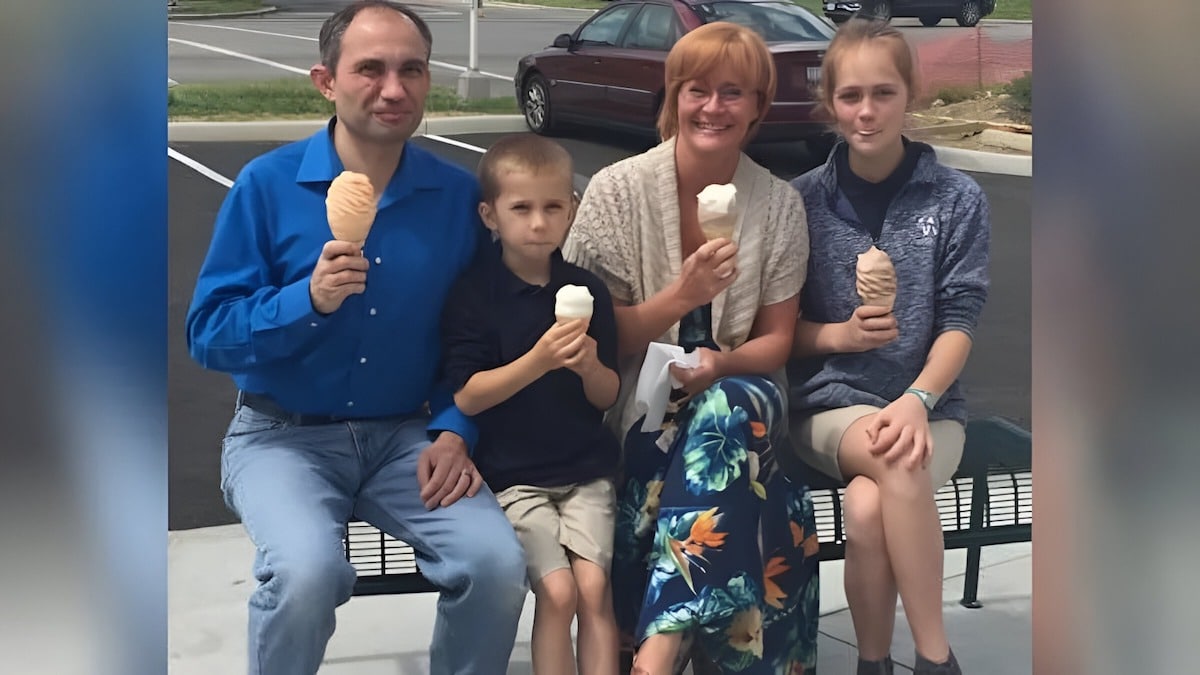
x,y
550,521
818,437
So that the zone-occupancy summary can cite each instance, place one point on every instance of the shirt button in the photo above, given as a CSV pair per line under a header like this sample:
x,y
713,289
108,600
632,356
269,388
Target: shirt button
x,y
313,324
349,404
378,260
362,360
372,311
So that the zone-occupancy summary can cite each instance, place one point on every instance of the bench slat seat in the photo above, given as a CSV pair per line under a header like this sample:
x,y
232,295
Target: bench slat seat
x,y
988,501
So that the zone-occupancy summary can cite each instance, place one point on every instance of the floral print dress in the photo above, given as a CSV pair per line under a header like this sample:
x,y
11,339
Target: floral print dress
x,y
713,540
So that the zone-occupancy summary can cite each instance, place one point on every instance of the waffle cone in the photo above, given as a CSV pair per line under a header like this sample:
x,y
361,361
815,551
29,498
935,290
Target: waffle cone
x,y
350,207
875,278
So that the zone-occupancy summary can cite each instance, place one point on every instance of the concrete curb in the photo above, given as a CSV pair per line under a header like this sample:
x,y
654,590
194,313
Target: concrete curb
x,y
291,130
984,162
475,124
1007,140
224,15
294,130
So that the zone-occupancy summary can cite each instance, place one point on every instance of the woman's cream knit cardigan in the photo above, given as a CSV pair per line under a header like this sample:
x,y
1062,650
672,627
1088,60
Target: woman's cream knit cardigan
x,y
627,233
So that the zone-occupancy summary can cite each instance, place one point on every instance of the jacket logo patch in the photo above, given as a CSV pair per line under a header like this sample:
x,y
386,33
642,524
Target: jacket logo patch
x,y
929,225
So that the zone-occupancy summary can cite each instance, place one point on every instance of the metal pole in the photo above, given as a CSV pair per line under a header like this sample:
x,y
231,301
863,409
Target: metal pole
x,y
473,36
472,84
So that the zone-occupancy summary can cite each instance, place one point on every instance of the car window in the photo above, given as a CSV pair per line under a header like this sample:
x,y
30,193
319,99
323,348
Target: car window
x,y
605,28
656,27
774,21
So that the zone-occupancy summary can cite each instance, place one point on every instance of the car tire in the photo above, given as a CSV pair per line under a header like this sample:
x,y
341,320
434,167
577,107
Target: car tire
x,y
882,10
930,21
969,13
535,105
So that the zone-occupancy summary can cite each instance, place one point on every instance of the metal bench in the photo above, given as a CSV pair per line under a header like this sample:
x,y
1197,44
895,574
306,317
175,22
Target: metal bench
x,y
988,501
385,565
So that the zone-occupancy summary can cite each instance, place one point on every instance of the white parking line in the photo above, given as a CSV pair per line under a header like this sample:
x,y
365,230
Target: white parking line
x,y
251,30
517,5
463,69
437,64
222,180
457,144
239,55
198,167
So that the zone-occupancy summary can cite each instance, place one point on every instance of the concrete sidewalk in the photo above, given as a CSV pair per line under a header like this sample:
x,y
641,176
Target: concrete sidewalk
x,y
210,581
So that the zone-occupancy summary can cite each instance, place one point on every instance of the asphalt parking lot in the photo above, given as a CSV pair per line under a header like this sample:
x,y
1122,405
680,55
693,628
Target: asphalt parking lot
x,y
996,380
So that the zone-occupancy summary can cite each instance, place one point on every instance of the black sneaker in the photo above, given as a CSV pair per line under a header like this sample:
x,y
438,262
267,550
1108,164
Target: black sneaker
x,y
927,667
883,667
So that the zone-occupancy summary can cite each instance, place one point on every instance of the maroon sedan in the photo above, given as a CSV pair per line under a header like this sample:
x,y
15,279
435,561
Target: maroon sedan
x,y
609,72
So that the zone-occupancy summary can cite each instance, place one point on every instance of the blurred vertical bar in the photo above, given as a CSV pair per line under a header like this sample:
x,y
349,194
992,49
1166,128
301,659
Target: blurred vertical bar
x,y
1116,334
83,296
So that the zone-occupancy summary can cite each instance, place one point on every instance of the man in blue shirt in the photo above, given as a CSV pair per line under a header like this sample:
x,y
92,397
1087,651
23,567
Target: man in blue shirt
x,y
335,350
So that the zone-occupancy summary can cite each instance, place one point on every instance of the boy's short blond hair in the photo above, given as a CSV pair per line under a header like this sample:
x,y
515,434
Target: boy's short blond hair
x,y
522,152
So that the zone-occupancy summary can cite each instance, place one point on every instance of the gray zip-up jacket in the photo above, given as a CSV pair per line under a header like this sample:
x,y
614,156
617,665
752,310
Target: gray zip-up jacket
x,y
936,232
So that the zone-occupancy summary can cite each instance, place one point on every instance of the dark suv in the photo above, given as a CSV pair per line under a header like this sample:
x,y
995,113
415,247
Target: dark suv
x,y
930,12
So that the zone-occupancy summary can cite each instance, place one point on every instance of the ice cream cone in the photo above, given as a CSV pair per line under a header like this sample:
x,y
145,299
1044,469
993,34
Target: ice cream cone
x,y
875,278
718,228
572,302
350,207
716,209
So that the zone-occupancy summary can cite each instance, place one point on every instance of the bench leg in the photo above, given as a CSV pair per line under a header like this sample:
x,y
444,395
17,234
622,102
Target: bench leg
x,y
701,664
971,581
979,498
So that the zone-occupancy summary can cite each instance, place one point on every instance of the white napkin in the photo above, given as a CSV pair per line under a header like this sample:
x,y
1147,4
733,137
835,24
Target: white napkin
x,y
655,381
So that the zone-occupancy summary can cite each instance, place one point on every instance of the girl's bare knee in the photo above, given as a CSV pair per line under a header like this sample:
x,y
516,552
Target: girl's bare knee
x,y
898,482
863,509
854,455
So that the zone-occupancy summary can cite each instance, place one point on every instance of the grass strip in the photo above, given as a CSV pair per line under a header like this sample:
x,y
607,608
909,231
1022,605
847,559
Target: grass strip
x,y
296,99
568,4
214,6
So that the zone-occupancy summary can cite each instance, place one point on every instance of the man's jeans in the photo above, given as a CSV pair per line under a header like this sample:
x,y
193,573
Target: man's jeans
x,y
295,487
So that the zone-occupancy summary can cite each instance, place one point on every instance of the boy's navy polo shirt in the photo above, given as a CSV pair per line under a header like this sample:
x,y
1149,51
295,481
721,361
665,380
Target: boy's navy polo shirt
x,y
547,434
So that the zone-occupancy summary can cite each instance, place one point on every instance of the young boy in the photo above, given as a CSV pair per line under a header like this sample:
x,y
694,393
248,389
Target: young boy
x,y
538,389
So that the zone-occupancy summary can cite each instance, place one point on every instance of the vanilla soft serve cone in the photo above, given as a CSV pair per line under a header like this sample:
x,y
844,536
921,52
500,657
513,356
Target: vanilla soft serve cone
x,y
572,302
717,211
350,207
876,278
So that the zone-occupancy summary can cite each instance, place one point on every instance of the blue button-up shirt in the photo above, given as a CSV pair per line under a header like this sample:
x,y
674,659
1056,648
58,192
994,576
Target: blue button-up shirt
x,y
251,315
